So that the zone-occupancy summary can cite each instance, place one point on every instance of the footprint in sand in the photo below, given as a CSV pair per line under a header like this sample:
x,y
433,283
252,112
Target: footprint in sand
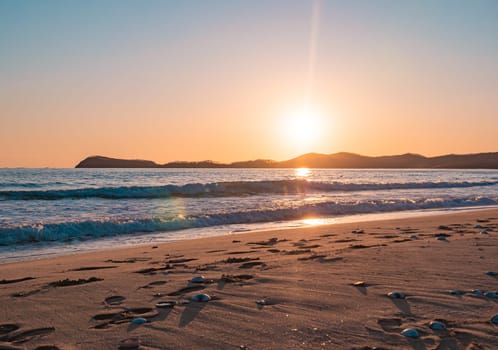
x,y
68,282
186,290
251,264
124,316
24,336
16,280
153,284
238,260
8,327
390,324
114,300
91,268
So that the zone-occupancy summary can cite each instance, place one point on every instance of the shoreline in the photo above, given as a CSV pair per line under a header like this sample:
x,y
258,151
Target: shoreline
x,y
290,288
48,250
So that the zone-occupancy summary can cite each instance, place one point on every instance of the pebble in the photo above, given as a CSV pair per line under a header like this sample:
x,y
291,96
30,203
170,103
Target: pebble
x,y
359,284
455,292
138,320
201,297
484,232
410,332
494,319
491,273
396,295
437,326
441,238
413,236
198,279
477,226
476,291
491,295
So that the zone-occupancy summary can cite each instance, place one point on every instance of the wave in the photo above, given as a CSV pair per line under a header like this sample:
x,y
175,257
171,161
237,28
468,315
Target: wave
x,y
227,189
85,230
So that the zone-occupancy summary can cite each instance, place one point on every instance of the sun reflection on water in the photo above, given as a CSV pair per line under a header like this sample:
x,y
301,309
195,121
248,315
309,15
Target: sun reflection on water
x,y
314,221
302,172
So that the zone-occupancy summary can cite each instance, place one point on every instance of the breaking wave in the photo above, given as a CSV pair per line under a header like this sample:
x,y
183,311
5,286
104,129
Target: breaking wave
x,y
227,189
85,230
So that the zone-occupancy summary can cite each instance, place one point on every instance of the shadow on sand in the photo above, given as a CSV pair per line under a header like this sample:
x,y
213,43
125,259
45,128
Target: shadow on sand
x,y
190,313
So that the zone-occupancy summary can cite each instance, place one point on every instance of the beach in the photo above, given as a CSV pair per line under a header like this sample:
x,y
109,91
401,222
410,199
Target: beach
x,y
281,289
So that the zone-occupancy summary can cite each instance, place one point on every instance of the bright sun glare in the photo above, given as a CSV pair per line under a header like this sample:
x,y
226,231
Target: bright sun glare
x,y
304,126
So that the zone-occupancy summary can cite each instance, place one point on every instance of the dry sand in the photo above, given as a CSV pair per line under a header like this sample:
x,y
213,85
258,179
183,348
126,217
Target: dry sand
x,y
302,278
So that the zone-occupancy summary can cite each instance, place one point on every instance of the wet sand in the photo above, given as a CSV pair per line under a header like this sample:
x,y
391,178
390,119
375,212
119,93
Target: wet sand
x,y
285,289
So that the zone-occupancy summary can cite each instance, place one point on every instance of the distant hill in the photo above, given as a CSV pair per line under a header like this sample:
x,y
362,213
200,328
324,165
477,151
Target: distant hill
x,y
316,160
106,162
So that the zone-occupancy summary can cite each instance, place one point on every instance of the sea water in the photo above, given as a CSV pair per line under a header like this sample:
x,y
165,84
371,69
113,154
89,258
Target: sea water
x,y
49,211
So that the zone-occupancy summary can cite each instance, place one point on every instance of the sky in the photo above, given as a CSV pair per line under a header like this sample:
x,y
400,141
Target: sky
x,y
239,80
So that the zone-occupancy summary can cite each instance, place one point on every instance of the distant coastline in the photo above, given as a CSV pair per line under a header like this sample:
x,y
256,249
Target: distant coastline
x,y
316,160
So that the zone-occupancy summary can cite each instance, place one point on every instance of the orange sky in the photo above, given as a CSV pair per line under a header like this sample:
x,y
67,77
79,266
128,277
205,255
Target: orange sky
x,y
221,80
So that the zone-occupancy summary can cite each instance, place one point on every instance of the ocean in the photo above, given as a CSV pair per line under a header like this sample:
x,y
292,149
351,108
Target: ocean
x,y
60,211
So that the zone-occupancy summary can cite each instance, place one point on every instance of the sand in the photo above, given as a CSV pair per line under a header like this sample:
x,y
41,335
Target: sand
x,y
286,289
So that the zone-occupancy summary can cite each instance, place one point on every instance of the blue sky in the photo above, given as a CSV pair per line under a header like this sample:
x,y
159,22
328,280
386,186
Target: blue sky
x,y
389,77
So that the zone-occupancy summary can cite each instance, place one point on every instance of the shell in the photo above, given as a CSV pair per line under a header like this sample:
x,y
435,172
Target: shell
x,y
410,332
198,279
437,326
396,295
494,319
200,297
165,304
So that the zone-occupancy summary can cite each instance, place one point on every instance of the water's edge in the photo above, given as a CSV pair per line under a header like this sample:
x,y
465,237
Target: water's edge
x,y
55,249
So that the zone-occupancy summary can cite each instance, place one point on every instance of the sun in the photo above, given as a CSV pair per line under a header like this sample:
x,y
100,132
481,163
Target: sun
x,y
303,126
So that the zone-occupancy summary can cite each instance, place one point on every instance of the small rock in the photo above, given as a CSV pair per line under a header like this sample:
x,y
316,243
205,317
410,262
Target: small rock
x,y
484,232
477,226
476,292
359,284
491,295
413,236
410,332
396,295
437,326
198,279
455,292
441,238
139,320
491,273
201,297
494,319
